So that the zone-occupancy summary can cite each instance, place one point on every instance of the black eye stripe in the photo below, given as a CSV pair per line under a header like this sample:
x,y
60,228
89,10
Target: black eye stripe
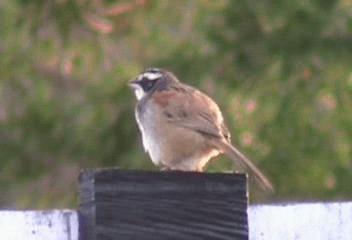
x,y
147,84
145,79
150,84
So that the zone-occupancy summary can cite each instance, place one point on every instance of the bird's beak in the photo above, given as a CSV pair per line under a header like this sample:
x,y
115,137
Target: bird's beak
x,y
133,84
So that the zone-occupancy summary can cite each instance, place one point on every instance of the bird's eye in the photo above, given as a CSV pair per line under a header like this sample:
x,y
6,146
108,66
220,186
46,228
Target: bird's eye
x,y
147,84
150,84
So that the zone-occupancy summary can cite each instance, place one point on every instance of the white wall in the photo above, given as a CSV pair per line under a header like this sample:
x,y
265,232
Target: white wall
x,y
298,221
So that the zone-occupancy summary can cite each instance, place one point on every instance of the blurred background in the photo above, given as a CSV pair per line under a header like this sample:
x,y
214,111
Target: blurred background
x,y
280,70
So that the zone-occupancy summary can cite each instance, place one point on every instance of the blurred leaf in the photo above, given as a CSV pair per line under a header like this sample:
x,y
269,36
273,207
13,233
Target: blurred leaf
x,y
280,70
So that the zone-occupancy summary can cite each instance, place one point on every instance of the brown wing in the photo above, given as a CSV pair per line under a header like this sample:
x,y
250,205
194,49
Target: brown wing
x,y
192,109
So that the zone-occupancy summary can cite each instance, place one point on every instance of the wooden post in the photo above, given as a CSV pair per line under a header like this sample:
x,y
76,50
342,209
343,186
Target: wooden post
x,y
118,204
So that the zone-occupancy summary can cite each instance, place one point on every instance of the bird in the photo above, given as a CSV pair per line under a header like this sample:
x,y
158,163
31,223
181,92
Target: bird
x,y
182,128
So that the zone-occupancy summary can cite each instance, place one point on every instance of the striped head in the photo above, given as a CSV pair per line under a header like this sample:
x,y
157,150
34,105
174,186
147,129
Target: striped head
x,y
148,79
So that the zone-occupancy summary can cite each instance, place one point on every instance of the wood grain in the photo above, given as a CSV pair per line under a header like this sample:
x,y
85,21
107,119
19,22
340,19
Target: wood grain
x,y
119,204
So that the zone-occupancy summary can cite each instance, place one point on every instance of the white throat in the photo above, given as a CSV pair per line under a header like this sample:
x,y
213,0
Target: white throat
x,y
139,93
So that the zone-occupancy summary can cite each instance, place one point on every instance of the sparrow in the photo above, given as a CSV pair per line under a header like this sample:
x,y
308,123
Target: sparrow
x,y
182,128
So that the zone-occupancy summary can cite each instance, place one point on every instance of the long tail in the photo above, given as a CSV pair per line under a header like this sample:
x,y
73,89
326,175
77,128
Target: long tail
x,y
236,155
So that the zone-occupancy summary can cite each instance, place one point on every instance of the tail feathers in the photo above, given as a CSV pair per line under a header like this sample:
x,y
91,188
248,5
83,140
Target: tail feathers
x,y
236,156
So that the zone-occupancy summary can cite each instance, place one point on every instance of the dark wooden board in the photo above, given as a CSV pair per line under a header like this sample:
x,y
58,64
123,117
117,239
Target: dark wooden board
x,y
120,204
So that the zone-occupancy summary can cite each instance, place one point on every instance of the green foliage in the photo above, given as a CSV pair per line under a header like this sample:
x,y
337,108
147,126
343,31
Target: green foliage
x,y
280,70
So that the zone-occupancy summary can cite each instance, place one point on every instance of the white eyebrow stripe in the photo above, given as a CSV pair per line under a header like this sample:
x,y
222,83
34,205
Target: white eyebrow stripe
x,y
151,76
